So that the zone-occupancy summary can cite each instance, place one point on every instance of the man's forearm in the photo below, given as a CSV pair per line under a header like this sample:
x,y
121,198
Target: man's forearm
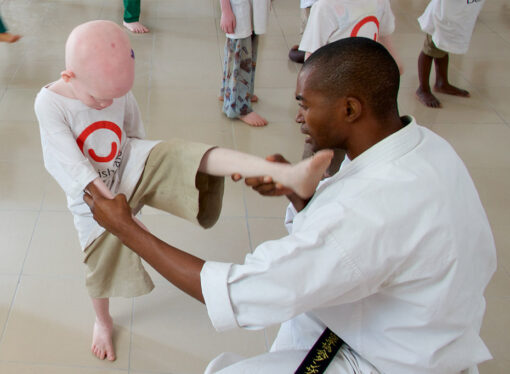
x,y
105,192
178,267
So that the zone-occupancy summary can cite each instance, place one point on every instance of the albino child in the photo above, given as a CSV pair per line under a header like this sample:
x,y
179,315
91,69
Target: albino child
x,y
242,21
92,135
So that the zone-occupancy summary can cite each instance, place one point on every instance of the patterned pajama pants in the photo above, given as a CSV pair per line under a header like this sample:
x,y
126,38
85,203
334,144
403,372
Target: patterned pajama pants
x,y
239,75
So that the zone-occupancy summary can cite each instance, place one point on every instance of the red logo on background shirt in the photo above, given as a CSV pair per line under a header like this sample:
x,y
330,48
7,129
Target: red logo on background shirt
x,y
95,127
363,22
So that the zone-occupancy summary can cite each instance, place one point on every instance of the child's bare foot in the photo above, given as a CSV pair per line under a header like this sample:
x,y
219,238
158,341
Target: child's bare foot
x,y
448,89
253,119
427,98
135,27
102,344
306,175
254,98
9,38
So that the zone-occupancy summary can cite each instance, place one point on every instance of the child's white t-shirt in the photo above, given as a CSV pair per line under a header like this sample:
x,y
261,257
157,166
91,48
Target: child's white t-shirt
x,y
80,144
251,17
451,23
332,20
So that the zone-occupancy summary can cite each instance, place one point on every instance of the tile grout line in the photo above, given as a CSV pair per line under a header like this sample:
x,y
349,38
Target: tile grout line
x,y
151,68
250,241
49,364
20,274
131,334
149,119
297,67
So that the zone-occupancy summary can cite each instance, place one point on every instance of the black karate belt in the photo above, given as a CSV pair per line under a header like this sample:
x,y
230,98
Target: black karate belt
x,y
321,354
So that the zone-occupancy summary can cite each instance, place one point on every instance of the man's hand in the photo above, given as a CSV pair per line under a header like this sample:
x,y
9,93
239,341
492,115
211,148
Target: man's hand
x,y
113,214
267,187
180,268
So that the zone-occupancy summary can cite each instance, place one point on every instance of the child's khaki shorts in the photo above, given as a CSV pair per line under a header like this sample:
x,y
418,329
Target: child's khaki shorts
x,y
430,49
170,182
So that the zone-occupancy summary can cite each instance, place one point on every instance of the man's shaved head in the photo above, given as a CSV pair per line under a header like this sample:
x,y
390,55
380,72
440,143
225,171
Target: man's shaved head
x,y
356,67
99,55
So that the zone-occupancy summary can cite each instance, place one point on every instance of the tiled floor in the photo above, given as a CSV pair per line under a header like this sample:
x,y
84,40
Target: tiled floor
x,y
45,314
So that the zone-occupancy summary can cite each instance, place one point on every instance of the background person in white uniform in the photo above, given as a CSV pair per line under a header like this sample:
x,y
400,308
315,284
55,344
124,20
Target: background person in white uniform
x,y
392,253
332,20
449,25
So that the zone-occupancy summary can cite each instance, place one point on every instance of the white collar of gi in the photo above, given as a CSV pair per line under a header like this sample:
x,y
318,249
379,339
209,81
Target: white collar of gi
x,y
388,149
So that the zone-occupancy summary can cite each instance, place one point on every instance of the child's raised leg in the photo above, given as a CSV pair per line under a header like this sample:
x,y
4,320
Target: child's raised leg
x,y
102,342
238,78
302,177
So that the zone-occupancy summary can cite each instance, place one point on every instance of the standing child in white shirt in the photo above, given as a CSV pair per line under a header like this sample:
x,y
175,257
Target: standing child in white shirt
x,y
449,25
332,20
242,21
92,135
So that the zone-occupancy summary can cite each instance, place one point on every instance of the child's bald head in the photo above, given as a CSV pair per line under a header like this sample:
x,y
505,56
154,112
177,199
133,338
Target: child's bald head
x,y
99,60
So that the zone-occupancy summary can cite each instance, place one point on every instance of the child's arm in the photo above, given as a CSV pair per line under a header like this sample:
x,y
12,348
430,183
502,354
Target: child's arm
x,y
302,178
388,44
106,193
228,20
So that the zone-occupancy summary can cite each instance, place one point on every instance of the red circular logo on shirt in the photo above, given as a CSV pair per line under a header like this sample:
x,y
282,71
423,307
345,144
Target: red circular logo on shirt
x,y
100,125
363,22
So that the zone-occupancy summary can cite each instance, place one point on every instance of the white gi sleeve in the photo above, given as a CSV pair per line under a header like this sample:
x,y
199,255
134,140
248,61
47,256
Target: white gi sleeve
x,y
314,267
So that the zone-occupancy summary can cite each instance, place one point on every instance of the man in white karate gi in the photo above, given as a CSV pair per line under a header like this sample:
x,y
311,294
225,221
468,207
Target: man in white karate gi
x,y
392,253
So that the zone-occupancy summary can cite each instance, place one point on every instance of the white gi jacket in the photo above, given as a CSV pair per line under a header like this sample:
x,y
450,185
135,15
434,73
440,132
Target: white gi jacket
x,y
393,254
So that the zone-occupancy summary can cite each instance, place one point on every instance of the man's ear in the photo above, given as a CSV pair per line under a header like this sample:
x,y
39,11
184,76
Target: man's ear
x,y
67,75
353,109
